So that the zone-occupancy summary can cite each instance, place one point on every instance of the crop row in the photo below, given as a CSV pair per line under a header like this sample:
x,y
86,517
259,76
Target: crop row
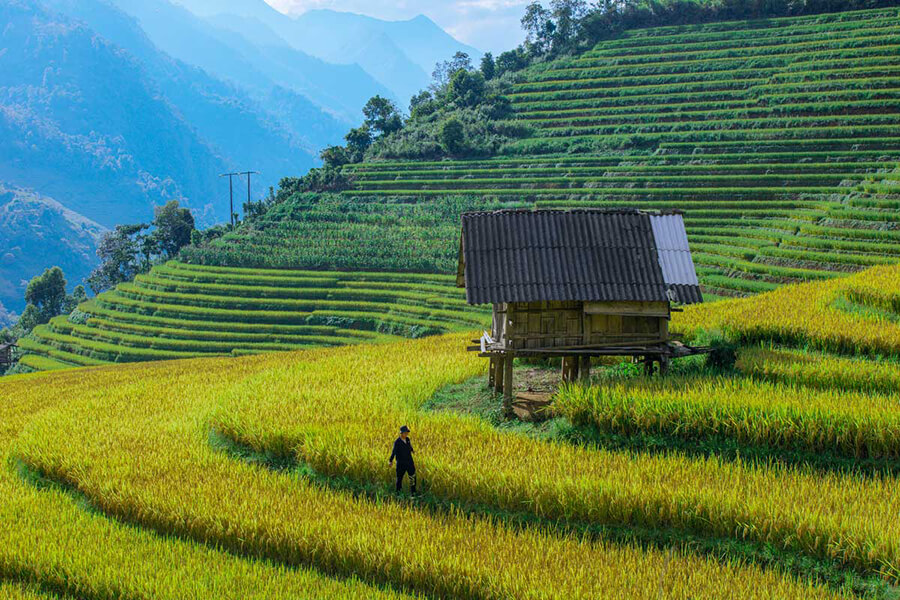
x,y
775,75
608,488
755,29
368,171
820,371
701,51
805,315
852,424
361,295
639,114
49,541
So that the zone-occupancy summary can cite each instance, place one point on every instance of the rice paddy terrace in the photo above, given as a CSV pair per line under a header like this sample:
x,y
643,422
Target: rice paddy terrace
x,y
264,476
778,138
180,310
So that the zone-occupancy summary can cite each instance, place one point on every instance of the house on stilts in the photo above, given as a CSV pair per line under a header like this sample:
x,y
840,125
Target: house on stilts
x,y
576,284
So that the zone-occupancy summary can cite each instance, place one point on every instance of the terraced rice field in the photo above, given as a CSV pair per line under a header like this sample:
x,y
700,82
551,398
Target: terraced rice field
x,y
159,480
779,140
180,311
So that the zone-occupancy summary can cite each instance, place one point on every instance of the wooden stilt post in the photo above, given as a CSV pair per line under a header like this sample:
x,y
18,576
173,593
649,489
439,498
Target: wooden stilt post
x,y
492,371
498,373
584,369
569,364
508,384
648,366
663,364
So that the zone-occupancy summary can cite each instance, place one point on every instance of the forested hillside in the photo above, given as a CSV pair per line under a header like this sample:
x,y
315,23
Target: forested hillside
x,y
778,140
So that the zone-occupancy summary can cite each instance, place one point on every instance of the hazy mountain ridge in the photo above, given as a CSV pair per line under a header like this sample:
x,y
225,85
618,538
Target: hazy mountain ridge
x,y
33,227
399,54
221,48
238,125
82,123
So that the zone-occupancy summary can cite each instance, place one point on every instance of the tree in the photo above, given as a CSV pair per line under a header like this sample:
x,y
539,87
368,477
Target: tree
x,y
173,230
466,88
77,296
488,68
382,115
119,253
334,156
47,293
567,16
511,60
419,99
538,27
445,69
421,105
358,141
452,136
31,318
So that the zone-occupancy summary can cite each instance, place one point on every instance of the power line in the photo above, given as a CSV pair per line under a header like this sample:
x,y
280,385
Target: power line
x,y
248,174
231,177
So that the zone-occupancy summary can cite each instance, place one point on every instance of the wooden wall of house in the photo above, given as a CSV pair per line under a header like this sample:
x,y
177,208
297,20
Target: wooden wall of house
x,y
566,324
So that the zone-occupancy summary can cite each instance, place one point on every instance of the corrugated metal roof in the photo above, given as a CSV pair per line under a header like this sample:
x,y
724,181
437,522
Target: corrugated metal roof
x,y
582,255
528,256
675,257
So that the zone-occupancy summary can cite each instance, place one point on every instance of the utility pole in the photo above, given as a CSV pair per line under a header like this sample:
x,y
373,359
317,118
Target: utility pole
x,y
248,174
230,177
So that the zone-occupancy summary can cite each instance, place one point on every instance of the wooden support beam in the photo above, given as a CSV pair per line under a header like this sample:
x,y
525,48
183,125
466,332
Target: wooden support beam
x,y
569,368
663,364
498,373
492,371
508,383
584,369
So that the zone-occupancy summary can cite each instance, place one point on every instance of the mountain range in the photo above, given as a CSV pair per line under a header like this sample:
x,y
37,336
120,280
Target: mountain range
x,y
111,107
399,54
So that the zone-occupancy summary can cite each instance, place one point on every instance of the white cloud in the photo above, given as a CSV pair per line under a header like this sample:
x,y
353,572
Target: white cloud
x,y
486,24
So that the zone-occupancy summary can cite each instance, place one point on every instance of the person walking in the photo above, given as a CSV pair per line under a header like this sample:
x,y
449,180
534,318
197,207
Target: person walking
x,y
403,452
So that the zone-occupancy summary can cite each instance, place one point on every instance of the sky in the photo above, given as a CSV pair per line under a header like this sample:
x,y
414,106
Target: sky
x,y
489,25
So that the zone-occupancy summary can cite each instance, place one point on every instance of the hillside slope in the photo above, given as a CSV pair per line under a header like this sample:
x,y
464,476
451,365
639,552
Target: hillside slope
x,y
33,227
82,123
778,140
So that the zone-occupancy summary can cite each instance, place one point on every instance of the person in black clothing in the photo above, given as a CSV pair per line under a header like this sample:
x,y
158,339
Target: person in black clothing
x,y
403,452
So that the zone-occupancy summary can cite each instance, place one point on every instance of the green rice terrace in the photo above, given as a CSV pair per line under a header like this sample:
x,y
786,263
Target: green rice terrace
x,y
180,311
779,139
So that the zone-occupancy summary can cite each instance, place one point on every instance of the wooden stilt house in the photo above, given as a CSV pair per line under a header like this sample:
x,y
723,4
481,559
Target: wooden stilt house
x,y
576,284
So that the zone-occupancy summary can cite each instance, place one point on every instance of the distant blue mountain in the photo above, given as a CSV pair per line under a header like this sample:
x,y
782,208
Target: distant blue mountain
x,y
96,117
33,229
82,121
247,52
109,108
238,122
399,54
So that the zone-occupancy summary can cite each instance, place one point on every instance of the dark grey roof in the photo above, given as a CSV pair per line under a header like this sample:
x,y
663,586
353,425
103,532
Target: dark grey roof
x,y
583,255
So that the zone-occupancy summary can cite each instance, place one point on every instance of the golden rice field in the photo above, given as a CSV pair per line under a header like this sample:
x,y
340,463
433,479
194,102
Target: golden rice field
x,y
812,314
117,483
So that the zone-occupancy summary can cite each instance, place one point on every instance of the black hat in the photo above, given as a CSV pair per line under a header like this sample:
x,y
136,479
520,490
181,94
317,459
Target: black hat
x,y
404,429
